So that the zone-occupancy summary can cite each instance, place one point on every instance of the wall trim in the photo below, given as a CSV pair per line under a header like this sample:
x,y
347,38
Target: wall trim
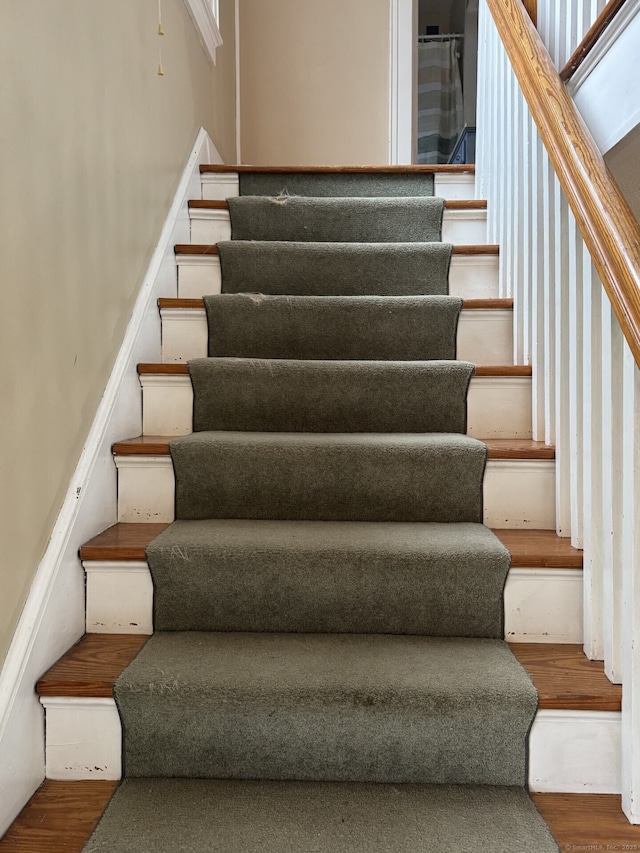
x,y
605,97
202,14
53,615
402,79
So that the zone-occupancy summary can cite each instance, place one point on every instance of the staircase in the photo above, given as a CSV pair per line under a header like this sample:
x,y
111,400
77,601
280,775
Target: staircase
x,y
543,593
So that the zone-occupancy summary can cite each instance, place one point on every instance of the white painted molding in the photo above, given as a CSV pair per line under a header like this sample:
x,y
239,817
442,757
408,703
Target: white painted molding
x,y
53,616
204,16
604,87
402,64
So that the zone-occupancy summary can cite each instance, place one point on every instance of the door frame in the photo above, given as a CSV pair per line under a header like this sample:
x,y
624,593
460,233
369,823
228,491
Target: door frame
x,y
403,55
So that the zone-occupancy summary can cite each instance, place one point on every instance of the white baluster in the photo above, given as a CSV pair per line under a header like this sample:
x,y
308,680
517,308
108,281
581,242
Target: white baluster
x,y
631,590
561,297
575,285
592,479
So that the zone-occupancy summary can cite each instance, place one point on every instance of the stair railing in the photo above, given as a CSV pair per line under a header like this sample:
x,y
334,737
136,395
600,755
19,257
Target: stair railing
x,y
570,258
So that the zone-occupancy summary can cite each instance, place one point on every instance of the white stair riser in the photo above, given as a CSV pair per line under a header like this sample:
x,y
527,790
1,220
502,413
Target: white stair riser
x,y
462,227
484,337
218,187
470,276
520,494
517,494
576,752
541,605
83,738
498,406
570,751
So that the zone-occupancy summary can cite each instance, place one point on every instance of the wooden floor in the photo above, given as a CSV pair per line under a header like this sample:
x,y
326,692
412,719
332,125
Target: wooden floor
x,y
61,815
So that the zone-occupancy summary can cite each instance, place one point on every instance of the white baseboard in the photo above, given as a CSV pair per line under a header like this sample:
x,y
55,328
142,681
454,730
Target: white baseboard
x,y
53,616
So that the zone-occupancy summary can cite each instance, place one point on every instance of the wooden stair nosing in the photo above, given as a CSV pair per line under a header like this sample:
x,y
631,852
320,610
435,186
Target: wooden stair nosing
x,y
181,368
441,168
499,448
212,249
449,204
563,676
529,548
467,304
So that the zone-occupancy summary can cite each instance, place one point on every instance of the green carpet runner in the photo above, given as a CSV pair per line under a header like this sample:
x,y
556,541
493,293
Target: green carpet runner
x,y
337,269
328,673
339,220
404,328
336,185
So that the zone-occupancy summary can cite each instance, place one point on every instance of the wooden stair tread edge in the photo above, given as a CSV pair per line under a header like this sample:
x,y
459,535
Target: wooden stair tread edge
x,y
60,817
588,821
91,667
175,368
542,549
212,249
529,548
122,541
467,304
565,679
499,448
453,168
449,204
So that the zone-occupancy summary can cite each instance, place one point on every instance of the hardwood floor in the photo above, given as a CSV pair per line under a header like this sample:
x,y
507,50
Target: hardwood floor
x,y
60,817
582,822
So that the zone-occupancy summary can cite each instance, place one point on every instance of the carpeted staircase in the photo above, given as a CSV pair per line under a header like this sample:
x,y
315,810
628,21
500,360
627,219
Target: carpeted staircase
x,y
328,672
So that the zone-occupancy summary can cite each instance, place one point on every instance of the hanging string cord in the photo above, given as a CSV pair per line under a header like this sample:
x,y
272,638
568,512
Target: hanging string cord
x,y
160,34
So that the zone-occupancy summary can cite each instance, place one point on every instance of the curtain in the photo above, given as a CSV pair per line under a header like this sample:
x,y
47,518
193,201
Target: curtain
x,y
440,105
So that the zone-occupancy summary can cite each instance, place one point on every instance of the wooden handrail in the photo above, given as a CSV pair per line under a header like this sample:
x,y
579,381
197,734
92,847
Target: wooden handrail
x,y
589,41
606,222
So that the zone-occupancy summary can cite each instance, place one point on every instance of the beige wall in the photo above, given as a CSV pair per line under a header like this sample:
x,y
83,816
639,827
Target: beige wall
x,y
314,81
91,149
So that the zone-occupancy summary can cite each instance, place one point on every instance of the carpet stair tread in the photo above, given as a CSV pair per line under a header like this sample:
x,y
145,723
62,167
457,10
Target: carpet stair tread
x,y
528,548
271,817
326,707
498,448
344,220
329,476
284,395
333,577
564,677
396,328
